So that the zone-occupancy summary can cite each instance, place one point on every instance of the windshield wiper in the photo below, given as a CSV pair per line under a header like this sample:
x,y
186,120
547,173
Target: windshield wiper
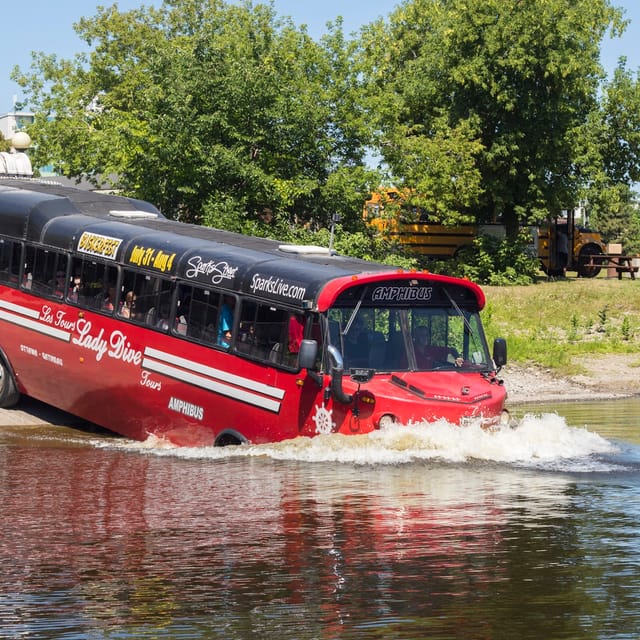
x,y
354,313
467,324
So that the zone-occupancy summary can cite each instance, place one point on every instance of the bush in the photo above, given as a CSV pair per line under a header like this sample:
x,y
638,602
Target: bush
x,y
498,261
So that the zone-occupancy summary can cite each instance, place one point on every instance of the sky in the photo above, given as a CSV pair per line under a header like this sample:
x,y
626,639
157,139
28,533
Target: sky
x,y
46,26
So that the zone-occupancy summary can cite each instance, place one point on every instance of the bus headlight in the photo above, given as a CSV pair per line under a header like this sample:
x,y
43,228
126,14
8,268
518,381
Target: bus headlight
x,y
366,397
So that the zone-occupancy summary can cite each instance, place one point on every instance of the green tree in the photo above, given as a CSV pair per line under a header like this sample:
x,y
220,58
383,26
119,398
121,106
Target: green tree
x,y
610,160
219,113
504,86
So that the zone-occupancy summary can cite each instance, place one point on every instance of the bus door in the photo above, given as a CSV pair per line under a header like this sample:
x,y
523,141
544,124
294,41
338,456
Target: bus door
x,y
268,339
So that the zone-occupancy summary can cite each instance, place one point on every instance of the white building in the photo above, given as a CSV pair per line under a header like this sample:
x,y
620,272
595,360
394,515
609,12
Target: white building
x,y
16,162
11,123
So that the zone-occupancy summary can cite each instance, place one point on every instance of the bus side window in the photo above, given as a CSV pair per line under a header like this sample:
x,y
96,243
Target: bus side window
x,y
108,294
197,314
48,272
10,258
152,299
263,332
90,283
247,341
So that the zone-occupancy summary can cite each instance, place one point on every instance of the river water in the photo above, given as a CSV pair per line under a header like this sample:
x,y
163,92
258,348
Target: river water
x,y
412,533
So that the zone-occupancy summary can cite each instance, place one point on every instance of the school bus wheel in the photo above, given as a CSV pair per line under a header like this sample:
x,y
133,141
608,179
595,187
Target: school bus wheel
x,y
584,258
229,437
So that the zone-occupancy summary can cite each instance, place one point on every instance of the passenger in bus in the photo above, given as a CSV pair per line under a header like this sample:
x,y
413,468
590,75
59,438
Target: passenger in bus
x,y
129,303
252,337
225,321
181,316
108,299
181,324
74,290
58,286
27,277
296,332
420,338
163,317
430,355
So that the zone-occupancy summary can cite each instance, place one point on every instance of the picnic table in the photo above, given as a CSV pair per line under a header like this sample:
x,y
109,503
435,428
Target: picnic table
x,y
621,264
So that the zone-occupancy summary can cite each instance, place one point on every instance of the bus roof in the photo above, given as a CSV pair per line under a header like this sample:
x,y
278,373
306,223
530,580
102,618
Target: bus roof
x,y
134,233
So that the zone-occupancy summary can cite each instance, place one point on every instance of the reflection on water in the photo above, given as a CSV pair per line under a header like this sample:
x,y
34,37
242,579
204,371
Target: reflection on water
x,y
410,533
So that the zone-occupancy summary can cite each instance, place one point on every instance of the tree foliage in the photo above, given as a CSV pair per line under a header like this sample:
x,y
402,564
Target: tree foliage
x,y
610,160
225,114
216,112
510,82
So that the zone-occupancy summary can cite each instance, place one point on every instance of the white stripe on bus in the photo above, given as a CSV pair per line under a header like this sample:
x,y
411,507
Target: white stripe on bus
x,y
36,326
211,385
10,306
217,374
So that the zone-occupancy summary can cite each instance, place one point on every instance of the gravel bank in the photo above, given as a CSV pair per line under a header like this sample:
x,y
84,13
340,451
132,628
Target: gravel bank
x,y
597,378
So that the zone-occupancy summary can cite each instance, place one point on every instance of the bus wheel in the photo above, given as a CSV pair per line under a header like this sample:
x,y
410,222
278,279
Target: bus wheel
x,y
9,394
230,437
551,272
586,252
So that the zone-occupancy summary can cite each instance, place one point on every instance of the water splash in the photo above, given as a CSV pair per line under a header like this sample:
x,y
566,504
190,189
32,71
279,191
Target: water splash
x,y
536,441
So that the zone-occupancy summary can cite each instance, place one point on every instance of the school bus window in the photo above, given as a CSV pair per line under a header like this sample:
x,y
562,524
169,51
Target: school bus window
x,y
45,272
263,333
150,297
197,313
10,258
90,282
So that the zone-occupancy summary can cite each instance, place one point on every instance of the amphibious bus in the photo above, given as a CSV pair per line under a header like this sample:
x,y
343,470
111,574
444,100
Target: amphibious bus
x,y
152,327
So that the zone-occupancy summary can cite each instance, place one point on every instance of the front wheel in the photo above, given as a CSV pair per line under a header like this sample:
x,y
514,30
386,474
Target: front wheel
x,y
230,437
585,271
9,394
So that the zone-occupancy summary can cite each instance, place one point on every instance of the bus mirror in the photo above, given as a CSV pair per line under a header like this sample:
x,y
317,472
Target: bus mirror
x,y
500,352
337,370
308,354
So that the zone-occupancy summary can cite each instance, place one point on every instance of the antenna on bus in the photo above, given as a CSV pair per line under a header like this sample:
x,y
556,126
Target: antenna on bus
x,y
335,217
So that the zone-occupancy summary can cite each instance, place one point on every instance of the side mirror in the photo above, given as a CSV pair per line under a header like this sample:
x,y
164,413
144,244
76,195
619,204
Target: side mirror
x,y
307,354
500,352
337,371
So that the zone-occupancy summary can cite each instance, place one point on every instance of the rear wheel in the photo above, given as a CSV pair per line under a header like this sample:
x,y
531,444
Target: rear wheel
x,y
584,258
9,394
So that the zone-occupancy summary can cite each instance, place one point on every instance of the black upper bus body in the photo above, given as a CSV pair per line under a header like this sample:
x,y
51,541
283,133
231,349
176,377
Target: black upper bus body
x,y
133,233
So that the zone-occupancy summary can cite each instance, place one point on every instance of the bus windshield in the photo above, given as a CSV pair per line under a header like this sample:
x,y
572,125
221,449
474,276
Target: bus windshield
x,y
392,338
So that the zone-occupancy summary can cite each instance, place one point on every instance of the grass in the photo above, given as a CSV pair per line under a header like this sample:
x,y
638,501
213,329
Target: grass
x,y
552,322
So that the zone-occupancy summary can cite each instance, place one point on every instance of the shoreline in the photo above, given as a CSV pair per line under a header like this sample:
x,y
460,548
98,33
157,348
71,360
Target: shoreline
x,y
606,378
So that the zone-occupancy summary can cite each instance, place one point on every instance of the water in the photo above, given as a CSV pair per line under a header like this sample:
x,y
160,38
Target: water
x,y
411,533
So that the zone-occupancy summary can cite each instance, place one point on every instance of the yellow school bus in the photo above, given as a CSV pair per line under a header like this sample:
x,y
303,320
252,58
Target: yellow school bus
x,y
390,212
582,243
395,218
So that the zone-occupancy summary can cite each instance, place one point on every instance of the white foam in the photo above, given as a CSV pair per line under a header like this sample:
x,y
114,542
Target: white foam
x,y
537,441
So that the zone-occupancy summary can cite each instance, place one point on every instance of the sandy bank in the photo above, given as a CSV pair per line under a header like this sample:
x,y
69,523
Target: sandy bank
x,y
597,378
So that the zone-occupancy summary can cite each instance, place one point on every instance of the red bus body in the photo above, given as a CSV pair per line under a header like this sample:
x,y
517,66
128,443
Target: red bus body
x,y
140,379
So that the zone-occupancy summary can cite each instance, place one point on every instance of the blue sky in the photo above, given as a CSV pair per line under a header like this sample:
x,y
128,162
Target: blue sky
x,y
46,26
